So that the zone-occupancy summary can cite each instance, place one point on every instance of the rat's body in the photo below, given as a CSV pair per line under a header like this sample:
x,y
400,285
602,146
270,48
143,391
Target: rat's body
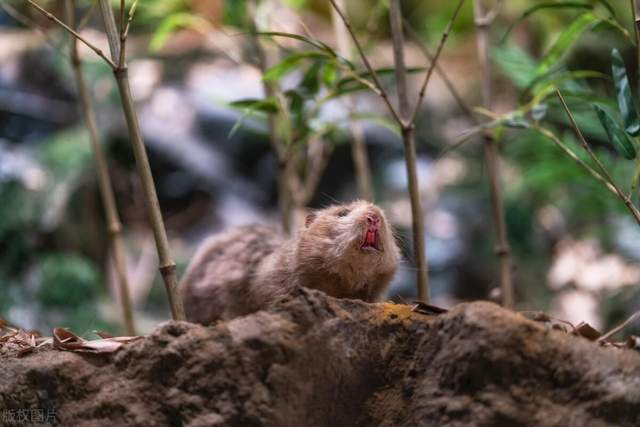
x,y
347,251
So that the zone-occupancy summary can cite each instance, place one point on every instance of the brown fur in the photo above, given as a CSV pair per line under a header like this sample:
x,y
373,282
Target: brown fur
x,y
247,269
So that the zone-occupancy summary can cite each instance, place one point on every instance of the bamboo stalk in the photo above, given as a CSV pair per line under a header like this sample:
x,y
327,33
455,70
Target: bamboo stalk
x,y
111,30
167,265
492,160
408,139
358,147
104,179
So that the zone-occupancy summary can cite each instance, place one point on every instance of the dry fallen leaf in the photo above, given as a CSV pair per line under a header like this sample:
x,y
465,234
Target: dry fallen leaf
x,y
21,341
425,308
24,342
103,334
63,339
8,336
587,331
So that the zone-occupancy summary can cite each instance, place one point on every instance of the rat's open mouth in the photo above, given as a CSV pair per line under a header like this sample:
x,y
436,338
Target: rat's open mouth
x,y
371,237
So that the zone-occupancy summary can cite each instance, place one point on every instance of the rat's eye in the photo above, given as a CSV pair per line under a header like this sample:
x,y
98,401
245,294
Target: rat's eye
x,y
343,212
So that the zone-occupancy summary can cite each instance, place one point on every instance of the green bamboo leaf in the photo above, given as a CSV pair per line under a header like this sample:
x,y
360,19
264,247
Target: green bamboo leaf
x,y
542,91
584,97
566,40
617,136
329,73
290,36
296,99
623,94
296,109
313,42
544,6
266,105
345,82
289,64
556,78
515,63
249,107
379,120
311,80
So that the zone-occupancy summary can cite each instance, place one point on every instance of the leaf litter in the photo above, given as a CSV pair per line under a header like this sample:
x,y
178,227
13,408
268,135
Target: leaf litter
x,y
21,342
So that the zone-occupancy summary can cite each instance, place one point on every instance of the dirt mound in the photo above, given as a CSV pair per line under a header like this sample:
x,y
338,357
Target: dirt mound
x,y
320,361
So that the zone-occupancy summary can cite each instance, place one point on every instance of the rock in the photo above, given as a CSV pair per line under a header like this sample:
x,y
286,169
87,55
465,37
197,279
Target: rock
x,y
320,361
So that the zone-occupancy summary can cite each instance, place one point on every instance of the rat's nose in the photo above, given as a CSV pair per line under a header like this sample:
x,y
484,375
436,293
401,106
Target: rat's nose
x,y
373,219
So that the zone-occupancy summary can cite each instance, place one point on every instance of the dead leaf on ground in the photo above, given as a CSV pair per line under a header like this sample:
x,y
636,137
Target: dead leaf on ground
x,y
65,340
22,341
103,334
587,331
424,308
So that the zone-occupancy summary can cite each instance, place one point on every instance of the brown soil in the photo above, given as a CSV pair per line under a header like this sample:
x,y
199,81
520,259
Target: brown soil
x,y
320,361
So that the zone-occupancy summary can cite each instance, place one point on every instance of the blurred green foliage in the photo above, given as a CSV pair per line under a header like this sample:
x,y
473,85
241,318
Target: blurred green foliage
x,y
18,214
66,153
67,280
50,282
235,13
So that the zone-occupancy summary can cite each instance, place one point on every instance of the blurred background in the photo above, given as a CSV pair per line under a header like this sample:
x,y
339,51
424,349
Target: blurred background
x,y
576,251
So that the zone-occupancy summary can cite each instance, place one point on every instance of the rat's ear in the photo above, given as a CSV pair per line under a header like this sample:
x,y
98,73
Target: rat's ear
x,y
309,219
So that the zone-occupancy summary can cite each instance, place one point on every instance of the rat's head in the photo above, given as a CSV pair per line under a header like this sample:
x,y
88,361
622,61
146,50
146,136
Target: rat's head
x,y
354,238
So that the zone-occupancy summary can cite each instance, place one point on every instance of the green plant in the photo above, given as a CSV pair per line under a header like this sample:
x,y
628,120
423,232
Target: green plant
x,y
616,119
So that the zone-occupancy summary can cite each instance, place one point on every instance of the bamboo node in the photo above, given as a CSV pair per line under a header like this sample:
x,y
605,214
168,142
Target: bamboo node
x,y
167,270
120,71
115,228
501,250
